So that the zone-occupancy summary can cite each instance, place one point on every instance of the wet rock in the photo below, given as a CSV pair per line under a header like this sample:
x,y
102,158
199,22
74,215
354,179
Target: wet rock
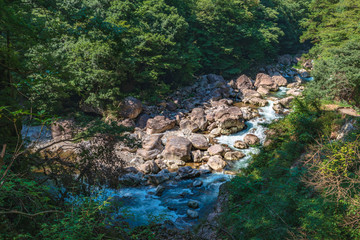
x,y
177,148
197,183
130,107
279,80
159,190
240,144
131,179
199,141
303,73
192,214
149,167
193,204
234,156
159,178
251,139
159,124
216,163
188,172
216,149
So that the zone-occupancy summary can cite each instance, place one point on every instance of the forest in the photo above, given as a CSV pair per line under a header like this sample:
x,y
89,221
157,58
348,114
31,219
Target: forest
x,y
79,59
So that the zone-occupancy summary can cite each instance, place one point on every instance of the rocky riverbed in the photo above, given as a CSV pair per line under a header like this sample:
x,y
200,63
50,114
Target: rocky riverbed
x,y
190,144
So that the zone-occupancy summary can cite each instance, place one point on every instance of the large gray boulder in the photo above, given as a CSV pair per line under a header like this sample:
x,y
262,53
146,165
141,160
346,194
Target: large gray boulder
x,y
234,156
265,80
177,148
244,82
216,149
198,117
130,107
199,141
251,139
279,80
229,120
159,124
216,163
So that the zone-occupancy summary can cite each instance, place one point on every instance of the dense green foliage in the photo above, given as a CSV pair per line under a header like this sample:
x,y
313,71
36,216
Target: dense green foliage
x,y
66,54
333,27
278,197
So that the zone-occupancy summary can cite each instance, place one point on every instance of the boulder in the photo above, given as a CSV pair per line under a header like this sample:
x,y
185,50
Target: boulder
x,y
244,82
198,116
263,90
216,163
159,190
229,120
251,139
250,93
216,149
234,156
193,204
196,156
240,144
199,141
249,113
131,179
204,167
152,142
159,124
256,101
130,107
278,108
142,120
189,125
149,167
279,80
177,148
192,214
265,80
294,92
161,177
188,172
197,183
148,154
285,102
174,164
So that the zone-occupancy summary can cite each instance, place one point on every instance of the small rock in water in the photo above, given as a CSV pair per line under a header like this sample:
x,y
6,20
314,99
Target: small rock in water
x,y
159,190
197,183
240,144
193,204
192,214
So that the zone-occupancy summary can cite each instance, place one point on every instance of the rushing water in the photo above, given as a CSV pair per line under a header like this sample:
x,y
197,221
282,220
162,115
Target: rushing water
x,y
140,205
